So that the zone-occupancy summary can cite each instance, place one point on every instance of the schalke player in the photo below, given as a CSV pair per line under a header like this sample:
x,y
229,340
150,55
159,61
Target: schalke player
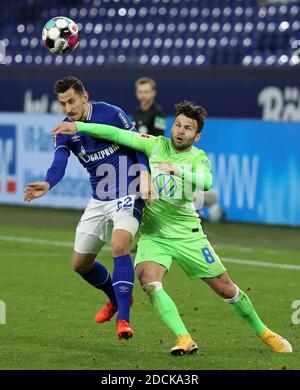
x,y
171,228
109,214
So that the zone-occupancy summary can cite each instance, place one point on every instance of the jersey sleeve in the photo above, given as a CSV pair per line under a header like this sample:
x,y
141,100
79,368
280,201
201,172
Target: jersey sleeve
x,y
61,141
121,120
140,142
61,154
201,174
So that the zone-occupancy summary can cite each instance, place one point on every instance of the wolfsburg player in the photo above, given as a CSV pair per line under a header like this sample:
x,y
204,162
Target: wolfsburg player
x,y
110,214
170,227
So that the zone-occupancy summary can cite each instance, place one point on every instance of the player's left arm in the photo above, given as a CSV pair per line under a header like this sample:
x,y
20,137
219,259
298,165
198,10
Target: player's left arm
x,y
200,175
122,121
141,142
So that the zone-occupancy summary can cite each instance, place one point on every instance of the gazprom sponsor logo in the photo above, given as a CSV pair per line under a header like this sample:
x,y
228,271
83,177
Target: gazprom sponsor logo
x,y
102,154
8,166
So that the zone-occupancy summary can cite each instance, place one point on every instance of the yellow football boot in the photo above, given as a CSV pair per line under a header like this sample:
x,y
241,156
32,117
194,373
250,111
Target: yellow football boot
x,y
184,345
275,341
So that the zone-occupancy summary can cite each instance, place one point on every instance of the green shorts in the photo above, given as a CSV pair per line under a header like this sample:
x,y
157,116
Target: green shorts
x,y
195,255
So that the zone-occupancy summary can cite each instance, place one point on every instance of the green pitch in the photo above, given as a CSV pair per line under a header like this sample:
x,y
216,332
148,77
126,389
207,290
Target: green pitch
x,y
50,310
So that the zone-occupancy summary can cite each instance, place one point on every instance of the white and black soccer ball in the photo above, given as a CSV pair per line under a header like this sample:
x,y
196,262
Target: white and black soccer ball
x,y
60,35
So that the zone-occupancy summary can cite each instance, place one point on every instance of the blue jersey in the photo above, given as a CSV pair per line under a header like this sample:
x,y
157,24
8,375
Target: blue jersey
x,y
112,168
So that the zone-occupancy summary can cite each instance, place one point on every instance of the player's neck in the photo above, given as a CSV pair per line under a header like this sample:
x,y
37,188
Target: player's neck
x,y
180,151
85,112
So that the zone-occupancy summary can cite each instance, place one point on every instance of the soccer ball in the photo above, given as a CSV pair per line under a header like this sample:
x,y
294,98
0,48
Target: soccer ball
x,y
60,35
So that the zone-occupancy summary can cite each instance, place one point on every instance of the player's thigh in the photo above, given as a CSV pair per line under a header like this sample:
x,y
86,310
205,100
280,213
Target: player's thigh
x,y
197,258
152,251
126,214
86,243
93,229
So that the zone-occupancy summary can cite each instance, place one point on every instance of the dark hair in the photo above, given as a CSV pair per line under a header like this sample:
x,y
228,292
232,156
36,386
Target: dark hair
x,y
191,111
146,80
63,85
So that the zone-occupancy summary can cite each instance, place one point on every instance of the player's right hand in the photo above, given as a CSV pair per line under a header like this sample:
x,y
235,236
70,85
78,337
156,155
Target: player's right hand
x,y
35,190
146,188
66,128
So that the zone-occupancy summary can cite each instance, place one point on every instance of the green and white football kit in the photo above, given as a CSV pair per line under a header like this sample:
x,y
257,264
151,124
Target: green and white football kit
x,y
170,228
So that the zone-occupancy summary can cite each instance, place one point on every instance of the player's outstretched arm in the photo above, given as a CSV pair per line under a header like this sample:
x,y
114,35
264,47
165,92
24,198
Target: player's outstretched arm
x,y
200,177
35,190
130,139
127,138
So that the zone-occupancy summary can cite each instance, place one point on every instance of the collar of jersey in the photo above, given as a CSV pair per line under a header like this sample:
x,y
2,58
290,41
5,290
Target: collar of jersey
x,y
90,112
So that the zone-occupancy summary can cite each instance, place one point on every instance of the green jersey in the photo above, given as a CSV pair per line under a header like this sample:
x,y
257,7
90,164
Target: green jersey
x,y
173,214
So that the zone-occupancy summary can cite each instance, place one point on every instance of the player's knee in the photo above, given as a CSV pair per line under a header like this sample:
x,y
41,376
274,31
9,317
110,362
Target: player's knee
x,y
148,272
230,292
119,248
152,287
145,277
80,267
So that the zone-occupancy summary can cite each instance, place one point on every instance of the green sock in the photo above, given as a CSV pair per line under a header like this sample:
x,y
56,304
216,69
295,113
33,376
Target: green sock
x,y
244,308
167,311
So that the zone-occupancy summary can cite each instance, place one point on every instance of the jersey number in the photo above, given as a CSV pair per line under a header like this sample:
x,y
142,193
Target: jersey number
x,y
207,255
123,204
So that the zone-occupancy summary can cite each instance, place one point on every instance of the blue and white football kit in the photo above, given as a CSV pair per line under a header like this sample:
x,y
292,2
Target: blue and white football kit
x,y
114,178
112,175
